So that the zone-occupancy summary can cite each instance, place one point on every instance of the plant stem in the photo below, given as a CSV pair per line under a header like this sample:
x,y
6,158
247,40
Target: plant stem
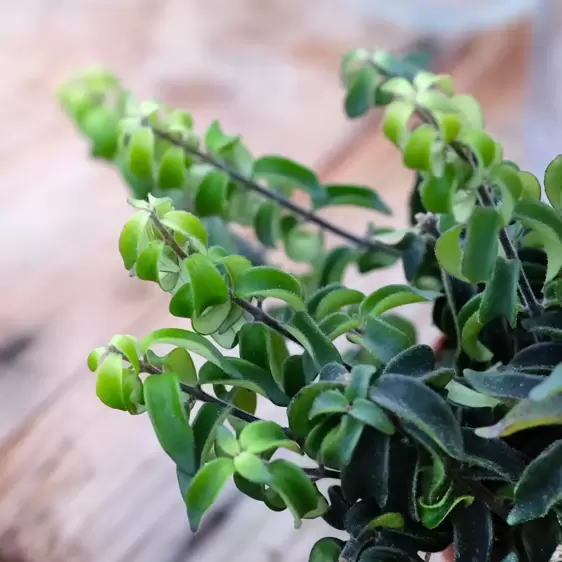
x,y
201,395
306,214
256,312
321,472
485,199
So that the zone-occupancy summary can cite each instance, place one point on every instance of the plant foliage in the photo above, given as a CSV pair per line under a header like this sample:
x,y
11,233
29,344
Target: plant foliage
x,y
423,449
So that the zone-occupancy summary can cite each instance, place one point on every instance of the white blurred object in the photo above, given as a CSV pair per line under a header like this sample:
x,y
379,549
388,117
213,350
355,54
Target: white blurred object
x,y
448,16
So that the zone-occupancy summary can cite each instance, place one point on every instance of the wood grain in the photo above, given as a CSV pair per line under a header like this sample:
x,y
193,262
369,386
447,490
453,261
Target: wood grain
x,y
79,482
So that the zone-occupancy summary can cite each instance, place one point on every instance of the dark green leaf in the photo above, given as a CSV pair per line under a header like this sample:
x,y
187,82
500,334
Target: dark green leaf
x,y
361,93
166,410
541,538
383,340
411,400
415,362
548,324
540,487
366,475
335,262
481,248
302,244
294,174
500,295
337,509
205,488
294,376
540,358
502,384
473,532
355,195
386,554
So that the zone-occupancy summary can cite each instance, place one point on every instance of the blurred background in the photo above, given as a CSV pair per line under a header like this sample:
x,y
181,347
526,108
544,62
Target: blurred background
x,y
79,482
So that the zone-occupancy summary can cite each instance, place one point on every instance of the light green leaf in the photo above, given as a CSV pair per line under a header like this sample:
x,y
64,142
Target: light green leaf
x,y
191,342
140,152
540,487
500,294
217,318
172,169
329,402
387,521
210,198
266,281
433,514
241,373
234,265
179,362
294,174
437,192
166,410
449,124
470,110
127,345
482,146
266,224
302,244
338,450
326,550
509,182
526,415
361,377
396,120
551,385
187,225
226,443
296,490
471,344
361,92
216,140
426,80
206,487
355,195
413,401
265,436
299,408
130,236
336,300
464,396
553,183
370,414
481,248
392,296
208,288
252,468
421,149
449,253
531,186
148,262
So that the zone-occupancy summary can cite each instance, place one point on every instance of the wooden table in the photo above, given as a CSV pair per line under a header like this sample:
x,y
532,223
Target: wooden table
x,y
79,482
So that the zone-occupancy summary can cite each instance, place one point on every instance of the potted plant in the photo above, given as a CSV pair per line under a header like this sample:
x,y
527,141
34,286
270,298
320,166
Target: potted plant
x,y
423,449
